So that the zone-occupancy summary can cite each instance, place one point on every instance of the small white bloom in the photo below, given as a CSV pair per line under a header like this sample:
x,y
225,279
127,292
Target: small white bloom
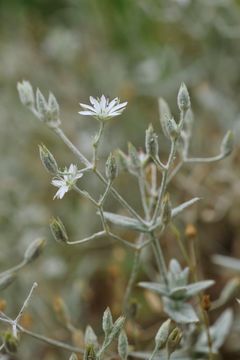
x,y
67,181
103,109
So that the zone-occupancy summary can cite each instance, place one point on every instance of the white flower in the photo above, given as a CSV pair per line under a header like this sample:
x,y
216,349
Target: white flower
x,y
103,109
67,181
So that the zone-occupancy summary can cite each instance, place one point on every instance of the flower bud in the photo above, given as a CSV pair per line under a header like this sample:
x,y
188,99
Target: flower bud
x,y
117,327
135,162
151,142
73,357
89,353
6,280
90,338
123,345
11,342
48,160
172,128
122,160
107,321
173,340
227,144
111,168
48,111
164,115
42,106
183,98
58,230
166,210
162,334
26,94
53,107
206,302
34,250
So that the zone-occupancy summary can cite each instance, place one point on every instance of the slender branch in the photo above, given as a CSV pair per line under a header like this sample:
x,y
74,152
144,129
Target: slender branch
x,y
164,181
142,189
14,268
159,258
50,341
132,279
204,160
96,144
86,239
85,161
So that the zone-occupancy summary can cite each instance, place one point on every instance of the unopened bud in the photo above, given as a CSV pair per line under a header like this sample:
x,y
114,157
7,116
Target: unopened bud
x,y
58,230
206,302
111,167
122,160
117,327
135,162
34,250
6,280
26,94
48,159
166,210
90,337
191,231
227,144
174,340
172,128
11,342
48,111
61,310
162,334
164,115
151,142
42,106
183,98
53,107
230,290
107,321
123,345
90,353
73,357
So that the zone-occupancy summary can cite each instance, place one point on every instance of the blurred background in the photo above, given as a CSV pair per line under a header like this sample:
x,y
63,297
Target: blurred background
x,y
137,50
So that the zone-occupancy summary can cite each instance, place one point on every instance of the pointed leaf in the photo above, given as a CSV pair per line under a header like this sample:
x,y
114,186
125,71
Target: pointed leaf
x,y
125,222
177,210
159,288
227,261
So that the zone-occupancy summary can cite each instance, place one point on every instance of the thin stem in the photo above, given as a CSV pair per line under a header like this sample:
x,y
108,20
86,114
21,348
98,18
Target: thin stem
x,y
160,258
50,341
96,144
175,171
132,279
40,337
72,147
103,197
164,181
89,238
25,304
142,189
86,195
14,268
85,161
180,244
204,160
125,242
